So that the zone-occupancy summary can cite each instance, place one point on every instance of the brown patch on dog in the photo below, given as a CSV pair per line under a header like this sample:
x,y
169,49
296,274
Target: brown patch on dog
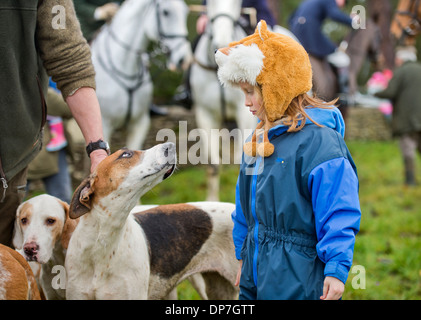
x,y
19,281
69,226
109,175
112,171
175,234
25,211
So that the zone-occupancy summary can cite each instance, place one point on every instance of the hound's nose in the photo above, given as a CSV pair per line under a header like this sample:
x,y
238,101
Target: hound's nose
x,y
216,50
169,148
31,249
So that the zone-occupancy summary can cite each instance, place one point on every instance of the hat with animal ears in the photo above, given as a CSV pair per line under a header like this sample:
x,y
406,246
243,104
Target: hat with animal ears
x,y
277,63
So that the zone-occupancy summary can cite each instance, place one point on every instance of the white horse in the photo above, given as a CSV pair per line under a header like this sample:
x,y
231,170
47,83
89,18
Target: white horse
x,y
124,86
212,103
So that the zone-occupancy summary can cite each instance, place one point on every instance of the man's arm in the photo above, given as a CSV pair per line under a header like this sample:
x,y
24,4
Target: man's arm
x,y
86,111
67,59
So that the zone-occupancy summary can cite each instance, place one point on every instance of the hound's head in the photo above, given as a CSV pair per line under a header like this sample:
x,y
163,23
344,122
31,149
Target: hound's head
x,y
41,224
123,177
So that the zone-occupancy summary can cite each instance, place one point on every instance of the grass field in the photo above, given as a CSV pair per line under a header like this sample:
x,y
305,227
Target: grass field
x,y
387,258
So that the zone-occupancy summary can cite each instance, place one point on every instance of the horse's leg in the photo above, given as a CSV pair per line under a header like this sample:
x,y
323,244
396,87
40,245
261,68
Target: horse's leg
x,y
137,131
324,80
210,142
107,129
140,121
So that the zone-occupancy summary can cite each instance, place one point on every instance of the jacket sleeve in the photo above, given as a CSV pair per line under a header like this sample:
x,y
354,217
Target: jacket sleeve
x,y
334,13
333,186
64,51
239,231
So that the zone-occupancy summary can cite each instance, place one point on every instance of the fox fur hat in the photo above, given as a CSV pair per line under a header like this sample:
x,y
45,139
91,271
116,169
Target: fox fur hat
x,y
275,62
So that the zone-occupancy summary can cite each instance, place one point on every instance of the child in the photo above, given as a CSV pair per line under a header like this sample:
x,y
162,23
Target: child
x,y
297,207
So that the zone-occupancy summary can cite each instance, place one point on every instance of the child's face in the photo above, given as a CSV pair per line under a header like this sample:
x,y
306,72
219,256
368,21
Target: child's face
x,y
254,99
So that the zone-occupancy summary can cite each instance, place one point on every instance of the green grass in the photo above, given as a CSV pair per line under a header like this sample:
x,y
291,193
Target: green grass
x,y
389,242
388,245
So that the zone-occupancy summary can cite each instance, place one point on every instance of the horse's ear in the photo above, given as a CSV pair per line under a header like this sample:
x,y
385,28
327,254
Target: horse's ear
x,y
82,198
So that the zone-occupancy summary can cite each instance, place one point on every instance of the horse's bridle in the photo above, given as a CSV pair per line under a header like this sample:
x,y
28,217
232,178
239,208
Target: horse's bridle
x,y
210,35
162,35
211,57
138,76
414,25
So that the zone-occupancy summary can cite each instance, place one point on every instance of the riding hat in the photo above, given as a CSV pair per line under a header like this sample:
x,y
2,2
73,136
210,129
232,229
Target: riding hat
x,y
275,62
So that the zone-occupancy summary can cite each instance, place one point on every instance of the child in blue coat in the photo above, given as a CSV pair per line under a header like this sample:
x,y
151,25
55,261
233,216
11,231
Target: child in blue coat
x,y
297,207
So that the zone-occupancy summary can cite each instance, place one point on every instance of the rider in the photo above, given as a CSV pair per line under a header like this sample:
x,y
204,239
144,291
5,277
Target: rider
x,y
306,23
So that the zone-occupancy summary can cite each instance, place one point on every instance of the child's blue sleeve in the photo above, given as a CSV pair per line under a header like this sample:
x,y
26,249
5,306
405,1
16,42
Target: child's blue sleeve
x,y
239,231
333,186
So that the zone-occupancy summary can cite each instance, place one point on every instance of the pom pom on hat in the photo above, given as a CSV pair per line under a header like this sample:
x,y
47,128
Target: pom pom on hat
x,y
277,63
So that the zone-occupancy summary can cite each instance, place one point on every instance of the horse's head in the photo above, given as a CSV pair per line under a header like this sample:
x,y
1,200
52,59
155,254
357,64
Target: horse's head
x,y
167,25
223,16
406,23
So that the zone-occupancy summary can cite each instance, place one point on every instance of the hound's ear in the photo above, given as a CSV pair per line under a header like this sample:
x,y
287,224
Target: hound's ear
x,y
82,198
69,226
17,231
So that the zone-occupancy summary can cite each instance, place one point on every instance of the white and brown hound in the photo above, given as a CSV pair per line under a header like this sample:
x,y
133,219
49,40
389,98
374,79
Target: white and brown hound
x,y
17,282
42,233
117,255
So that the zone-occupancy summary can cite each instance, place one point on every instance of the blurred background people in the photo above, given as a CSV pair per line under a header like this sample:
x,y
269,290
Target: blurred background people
x,y
404,90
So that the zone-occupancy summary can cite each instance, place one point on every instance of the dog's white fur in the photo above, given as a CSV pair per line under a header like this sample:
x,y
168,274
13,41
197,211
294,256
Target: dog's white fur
x,y
110,255
42,232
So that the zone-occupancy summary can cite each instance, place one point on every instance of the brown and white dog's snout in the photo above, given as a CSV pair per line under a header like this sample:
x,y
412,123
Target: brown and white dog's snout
x,y
31,251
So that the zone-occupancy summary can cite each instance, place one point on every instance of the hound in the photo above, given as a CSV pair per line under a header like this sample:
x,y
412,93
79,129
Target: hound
x,y
117,255
17,282
42,233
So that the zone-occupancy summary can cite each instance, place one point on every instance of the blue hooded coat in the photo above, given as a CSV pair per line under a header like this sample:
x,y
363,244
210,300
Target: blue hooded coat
x,y
297,211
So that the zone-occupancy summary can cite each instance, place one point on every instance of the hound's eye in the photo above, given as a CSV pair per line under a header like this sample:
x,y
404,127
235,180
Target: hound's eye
x,y
165,12
127,154
50,221
24,220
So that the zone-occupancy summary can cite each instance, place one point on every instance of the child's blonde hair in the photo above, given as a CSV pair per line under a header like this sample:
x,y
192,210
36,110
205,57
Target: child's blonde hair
x,y
295,115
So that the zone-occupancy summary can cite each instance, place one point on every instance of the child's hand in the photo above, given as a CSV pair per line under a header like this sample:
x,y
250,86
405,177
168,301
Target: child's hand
x,y
332,289
237,280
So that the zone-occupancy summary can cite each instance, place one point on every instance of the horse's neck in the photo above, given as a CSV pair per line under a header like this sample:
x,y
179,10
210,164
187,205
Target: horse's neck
x,y
204,52
127,30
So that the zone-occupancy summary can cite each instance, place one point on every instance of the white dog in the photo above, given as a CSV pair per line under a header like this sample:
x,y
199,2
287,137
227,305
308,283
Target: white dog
x,y
42,233
117,255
